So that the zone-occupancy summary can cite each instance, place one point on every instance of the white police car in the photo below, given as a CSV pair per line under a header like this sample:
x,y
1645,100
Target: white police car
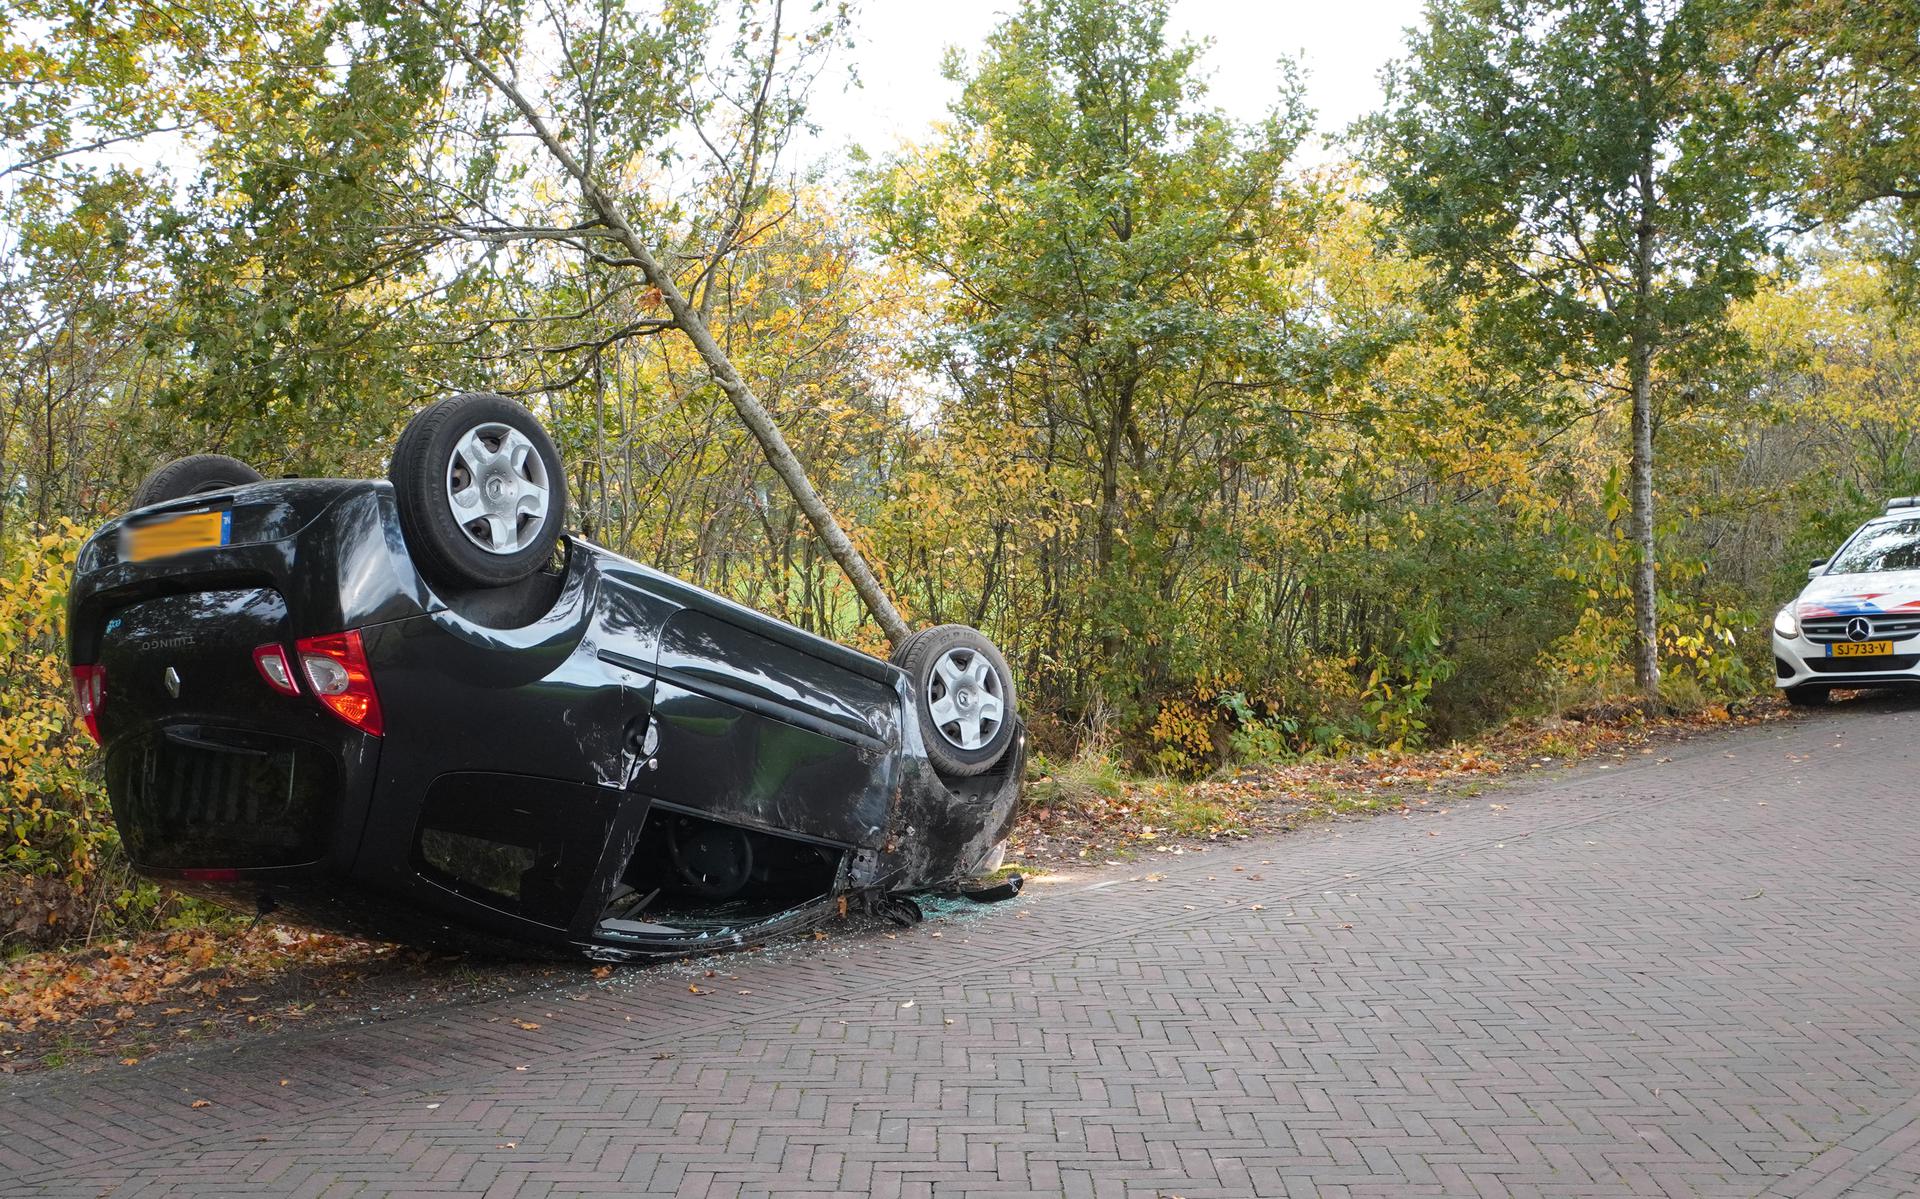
x,y
1857,622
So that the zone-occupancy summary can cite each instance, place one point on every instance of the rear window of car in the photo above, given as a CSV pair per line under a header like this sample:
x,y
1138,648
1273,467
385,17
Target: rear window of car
x,y
1894,545
200,797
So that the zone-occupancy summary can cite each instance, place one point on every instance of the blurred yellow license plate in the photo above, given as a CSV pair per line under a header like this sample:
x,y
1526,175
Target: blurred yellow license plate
x,y
1860,649
176,535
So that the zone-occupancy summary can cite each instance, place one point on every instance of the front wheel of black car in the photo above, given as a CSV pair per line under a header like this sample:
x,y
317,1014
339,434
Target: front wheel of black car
x,y
193,475
481,491
963,694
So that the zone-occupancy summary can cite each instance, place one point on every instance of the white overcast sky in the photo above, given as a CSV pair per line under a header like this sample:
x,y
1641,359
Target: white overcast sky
x,y
898,45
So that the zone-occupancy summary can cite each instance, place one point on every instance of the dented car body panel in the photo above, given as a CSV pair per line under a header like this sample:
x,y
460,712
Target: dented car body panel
x,y
602,758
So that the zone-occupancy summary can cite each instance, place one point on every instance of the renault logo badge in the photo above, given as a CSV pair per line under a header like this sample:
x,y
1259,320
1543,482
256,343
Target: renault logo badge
x,y
172,679
1859,629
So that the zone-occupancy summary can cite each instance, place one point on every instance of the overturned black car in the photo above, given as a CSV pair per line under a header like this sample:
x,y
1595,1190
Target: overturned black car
x,y
413,707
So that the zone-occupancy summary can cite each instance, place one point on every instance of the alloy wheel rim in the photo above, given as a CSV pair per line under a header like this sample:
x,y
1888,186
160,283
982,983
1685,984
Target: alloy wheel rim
x,y
497,488
964,698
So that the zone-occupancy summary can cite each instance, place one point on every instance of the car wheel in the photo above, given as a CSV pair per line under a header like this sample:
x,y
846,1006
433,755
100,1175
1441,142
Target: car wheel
x,y
899,655
193,475
1809,697
963,695
481,491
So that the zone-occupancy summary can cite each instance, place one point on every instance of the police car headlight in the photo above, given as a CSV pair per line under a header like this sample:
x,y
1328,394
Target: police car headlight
x,y
1786,623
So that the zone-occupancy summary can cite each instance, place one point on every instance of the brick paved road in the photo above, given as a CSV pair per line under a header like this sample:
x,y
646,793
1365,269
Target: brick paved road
x,y
1699,977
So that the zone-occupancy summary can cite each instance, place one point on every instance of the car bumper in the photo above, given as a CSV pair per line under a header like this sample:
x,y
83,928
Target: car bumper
x,y
1798,662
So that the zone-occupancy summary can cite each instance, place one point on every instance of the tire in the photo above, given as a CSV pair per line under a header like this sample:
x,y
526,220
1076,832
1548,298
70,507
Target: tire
x,y
494,451
899,655
193,475
1809,697
958,677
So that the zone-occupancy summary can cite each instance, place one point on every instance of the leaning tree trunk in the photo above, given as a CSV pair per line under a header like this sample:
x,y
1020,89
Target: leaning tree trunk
x,y
752,412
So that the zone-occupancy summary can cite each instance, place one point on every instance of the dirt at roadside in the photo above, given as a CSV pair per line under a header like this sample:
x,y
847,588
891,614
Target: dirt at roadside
x,y
119,1002
1065,824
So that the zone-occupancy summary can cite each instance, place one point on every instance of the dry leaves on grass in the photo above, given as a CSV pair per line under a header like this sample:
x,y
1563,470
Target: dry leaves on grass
x,y
1161,817
102,987
126,999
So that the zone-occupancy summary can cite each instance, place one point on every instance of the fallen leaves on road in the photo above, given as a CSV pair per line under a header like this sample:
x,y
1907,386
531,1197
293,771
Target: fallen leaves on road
x,y
117,991
126,999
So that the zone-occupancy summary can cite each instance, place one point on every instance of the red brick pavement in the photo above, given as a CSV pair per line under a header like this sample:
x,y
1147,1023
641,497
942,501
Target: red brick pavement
x,y
1696,977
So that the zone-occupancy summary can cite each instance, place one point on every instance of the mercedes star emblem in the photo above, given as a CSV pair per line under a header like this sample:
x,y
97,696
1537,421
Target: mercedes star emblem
x,y
1859,629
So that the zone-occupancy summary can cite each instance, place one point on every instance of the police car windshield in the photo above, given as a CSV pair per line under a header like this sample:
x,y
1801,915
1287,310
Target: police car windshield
x,y
1894,545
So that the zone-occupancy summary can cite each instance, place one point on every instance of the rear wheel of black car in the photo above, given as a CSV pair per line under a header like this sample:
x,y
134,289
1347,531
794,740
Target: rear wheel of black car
x,y
481,491
193,475
1809,697
963,695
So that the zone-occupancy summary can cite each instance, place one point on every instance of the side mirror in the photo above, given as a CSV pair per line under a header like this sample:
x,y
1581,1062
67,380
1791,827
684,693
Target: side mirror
x,y
1813,571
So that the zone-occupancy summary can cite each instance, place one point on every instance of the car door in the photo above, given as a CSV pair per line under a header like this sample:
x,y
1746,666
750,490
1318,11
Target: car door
x,y
754,731
511,755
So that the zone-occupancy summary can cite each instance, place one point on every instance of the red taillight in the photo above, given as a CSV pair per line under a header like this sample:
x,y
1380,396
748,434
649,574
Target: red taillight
x,y
271,661
90,692
336,668
228,875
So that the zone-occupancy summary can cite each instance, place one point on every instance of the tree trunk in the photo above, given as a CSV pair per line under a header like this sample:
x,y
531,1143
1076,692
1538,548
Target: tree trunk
x,y
1646,641
752,412
1646,619
1110,451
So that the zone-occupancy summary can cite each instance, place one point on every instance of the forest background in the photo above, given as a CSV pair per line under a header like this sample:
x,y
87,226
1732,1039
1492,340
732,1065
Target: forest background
x,y
1542,390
